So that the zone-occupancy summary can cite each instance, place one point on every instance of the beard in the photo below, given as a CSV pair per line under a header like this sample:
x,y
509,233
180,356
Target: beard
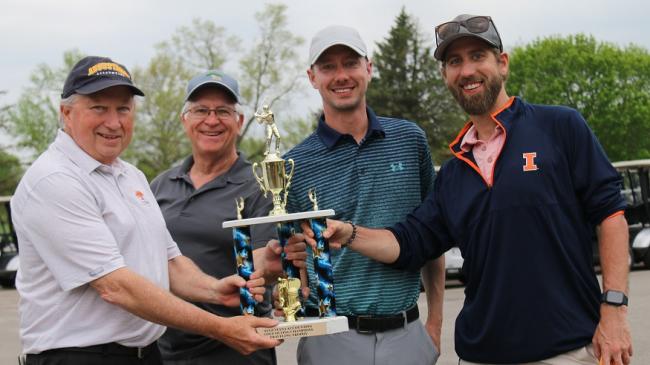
x,y
481,103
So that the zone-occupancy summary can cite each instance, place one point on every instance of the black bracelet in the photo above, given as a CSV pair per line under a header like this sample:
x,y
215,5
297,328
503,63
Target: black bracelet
x,y
354,234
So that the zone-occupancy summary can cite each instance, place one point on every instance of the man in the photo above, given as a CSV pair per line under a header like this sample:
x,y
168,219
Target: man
x,y
96,258
383,170
199,194
520,197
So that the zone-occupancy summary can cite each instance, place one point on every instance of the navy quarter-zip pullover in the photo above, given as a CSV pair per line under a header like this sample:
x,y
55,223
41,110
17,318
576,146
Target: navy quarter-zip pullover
x,y
526,238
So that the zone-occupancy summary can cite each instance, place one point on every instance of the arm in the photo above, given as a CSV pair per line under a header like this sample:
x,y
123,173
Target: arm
x,y
187,281
378,244
612,340
433,279
139,296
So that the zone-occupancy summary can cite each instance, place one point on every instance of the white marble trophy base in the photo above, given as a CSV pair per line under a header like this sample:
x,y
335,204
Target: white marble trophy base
x,y
310,326
279,218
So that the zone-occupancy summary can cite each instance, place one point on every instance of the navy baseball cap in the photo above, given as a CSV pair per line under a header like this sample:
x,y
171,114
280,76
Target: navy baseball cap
x,y
216,78
92,74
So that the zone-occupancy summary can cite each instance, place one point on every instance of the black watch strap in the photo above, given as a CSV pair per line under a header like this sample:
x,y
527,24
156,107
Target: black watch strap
x,y
614,297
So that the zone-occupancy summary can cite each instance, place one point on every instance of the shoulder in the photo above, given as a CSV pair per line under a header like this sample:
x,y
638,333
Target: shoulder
x,y
397,125
553,113
50,163
165,175
402,129
306,146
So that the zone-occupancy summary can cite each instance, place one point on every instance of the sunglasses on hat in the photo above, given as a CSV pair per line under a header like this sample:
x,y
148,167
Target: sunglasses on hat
x,y
475,25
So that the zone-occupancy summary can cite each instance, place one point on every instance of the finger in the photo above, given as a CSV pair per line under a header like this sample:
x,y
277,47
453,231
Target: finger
x,y
306,229
297,256
296,246
304,283
296,238
596,345
263,322
253,283
234,280
310,241
305,291
260,290
256,275
625,357
274,246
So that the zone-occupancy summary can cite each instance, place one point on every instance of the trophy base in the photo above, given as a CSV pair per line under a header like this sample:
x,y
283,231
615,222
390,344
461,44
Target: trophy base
x,y
310,326
278,218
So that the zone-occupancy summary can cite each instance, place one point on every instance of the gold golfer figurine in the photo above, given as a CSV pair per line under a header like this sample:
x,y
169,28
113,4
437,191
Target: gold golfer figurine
x,y
266,117
240,206
288,297
312,197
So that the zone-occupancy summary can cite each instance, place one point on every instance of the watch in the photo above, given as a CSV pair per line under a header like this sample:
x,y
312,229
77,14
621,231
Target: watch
x,y
614,297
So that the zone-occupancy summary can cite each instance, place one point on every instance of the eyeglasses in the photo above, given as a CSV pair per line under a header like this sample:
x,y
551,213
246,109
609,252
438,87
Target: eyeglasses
x,y
475,25
201,113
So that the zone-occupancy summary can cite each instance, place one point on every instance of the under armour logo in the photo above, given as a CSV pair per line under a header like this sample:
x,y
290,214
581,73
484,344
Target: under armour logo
x,y
529,158
396,166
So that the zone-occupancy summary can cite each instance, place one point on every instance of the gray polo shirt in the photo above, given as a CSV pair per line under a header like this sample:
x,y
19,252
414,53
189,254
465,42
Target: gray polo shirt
x,y
194,220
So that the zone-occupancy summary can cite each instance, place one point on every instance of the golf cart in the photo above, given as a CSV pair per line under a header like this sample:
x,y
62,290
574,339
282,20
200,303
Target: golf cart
x,y
8,245
636,191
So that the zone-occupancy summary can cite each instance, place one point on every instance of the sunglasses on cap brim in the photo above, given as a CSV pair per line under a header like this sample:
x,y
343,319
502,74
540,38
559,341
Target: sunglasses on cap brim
x,y
474,25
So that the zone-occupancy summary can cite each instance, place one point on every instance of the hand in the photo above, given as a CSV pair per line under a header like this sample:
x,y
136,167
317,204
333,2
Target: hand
x,y
295,250
433,329
227,289
337,233
612,340
240,334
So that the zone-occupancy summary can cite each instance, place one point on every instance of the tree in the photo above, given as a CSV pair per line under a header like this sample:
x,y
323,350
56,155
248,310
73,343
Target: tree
x,y
159,139
407,84
10,172
201,46
34,119
268,75
271,69
608,84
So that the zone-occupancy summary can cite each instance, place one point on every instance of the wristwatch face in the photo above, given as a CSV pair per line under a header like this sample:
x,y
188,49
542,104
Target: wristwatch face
x,y
614,297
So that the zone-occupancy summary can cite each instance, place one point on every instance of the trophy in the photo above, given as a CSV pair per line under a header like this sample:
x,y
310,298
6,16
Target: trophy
x,y
275,178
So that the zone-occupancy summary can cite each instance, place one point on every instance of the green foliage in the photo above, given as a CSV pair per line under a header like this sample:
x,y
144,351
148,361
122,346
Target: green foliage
x,y
271,69
407,84
608,84
34,119
159,140
10,173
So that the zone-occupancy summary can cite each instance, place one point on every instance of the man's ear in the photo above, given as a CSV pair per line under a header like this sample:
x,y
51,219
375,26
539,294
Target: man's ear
x,y
311,76
65,111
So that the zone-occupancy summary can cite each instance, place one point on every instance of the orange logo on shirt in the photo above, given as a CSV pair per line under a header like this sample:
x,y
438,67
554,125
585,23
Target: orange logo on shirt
x,y
529,157
139,195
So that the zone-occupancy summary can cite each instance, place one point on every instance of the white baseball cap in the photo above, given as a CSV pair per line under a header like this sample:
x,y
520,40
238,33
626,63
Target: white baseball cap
x,y
336,35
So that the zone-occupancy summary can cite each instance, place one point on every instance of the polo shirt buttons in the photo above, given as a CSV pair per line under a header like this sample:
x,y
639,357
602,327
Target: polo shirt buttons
x,y
489,159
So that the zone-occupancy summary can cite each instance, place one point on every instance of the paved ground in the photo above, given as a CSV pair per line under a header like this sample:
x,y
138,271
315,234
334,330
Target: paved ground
x,y
639,317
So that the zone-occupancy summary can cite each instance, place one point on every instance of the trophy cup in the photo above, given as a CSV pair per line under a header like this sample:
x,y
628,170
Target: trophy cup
x,y
274,179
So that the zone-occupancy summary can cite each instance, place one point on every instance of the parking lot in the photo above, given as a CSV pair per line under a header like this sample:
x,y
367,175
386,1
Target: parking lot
x,y
639,317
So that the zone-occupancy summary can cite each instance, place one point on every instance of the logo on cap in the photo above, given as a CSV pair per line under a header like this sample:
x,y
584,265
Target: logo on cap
x,y
214,76
108,68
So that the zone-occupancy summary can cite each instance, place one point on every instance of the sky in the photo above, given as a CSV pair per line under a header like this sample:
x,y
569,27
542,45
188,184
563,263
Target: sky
x,y
34,32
